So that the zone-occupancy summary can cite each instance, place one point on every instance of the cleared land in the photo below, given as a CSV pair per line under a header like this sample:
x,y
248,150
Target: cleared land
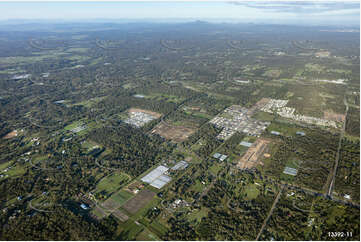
x,y
157,115
172,132
112,183
251,157
12,134
117,200
139,201
111,204
334,116
121,216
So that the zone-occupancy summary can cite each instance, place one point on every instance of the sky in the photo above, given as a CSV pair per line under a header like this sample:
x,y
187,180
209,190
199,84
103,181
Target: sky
x,y
291,12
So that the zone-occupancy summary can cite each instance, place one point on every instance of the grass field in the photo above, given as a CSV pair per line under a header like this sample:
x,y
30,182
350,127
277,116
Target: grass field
x,y
284,129
121,197
4,165
131,229
88,103
251,191
198,215
88,145
146,235
112,183
263,116
73,125
159,228
164,97
198,187
215,168
16,171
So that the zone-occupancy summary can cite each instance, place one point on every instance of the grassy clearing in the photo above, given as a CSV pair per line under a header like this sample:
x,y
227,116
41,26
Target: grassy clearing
x,y
16,171
81,50
78,58
198,186
131,230
159,228
89,145
4,165
263,116
197,215
121,197
215,168
153,203
73,125
251,191
273,73
221,96
146,235
112,183
284,129
88,103
29,59
164,97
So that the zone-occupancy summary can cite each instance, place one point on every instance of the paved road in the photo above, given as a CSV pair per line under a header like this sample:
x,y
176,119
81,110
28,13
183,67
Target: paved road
x,y
332,183
270,212
315,193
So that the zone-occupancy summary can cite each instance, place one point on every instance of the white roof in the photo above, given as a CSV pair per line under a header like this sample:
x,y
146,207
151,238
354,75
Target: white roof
x,y
290,171
161,181
154,174
247,144
223,157
180,165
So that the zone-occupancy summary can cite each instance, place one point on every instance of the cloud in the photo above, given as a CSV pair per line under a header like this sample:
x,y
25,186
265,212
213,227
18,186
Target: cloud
x,y
300,7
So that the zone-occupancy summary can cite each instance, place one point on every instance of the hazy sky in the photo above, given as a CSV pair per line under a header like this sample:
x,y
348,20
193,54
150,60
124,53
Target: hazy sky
x,y
342,13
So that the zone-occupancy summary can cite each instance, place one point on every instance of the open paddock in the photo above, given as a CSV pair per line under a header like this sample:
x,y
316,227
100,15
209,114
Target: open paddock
x,y
172,132
119,215
111,204
139,201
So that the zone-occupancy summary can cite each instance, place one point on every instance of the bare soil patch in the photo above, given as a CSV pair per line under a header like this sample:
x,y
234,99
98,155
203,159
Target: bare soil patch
x,y
110,204
322,54
139,201
257,106
12,134
155,114
172,132
334,116
253,155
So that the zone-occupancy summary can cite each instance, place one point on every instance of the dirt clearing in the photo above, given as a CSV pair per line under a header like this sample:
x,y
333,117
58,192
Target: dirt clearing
x,y
12,134
252,157
157,115
334,116
172,132
110,204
